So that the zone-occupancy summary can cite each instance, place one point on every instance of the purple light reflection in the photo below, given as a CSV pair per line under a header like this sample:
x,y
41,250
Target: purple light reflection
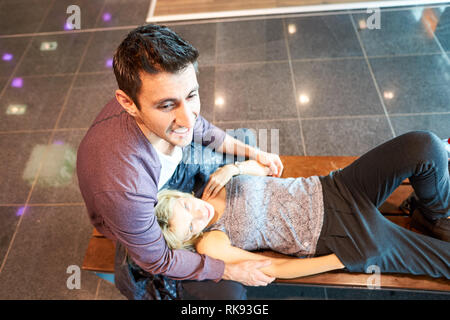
x,y
17,83
106,16
109,63
20,211
7,57
68,26
58,142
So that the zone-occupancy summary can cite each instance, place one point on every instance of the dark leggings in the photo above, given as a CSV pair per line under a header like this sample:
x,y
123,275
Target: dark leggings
x,y
356,231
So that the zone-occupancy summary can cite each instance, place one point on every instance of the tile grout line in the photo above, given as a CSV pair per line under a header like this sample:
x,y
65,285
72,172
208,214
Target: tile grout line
x,y
372,75
249,18
11,242
363,116
443,53
224,122
75,75
97,289
291,70
52,204
36,178
42,130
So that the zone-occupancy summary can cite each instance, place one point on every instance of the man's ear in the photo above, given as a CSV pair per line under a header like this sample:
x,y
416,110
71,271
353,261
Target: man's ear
x,y
126,102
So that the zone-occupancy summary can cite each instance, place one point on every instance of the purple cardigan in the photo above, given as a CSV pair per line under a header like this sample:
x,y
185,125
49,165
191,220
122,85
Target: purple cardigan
x,y
118,172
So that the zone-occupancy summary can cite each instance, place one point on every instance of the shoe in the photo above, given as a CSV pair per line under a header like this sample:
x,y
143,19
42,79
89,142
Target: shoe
x,y
410,204
439,229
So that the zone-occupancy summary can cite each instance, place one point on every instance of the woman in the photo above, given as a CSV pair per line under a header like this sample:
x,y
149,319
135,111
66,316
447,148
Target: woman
x,y
331,220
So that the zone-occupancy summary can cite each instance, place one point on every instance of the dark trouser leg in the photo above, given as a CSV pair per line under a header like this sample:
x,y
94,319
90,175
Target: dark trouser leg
x,y
210,290
419,156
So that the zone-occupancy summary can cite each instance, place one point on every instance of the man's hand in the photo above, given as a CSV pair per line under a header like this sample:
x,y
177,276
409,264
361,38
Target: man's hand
x,y
248,273
270,160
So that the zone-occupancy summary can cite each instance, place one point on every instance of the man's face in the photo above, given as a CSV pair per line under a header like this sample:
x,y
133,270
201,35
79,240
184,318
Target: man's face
x,y
170,104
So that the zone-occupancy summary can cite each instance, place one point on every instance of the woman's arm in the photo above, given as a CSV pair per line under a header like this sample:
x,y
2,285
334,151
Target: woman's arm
x,y
221,176
216,244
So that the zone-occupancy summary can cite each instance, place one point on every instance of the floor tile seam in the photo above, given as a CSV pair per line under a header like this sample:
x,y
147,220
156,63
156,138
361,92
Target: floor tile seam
x,y
294,87
13,73
36,177
295,15
326,59
438,42
47,12
71,87
80,64
45,75
19,222
97,290
416,114
343,117
50,204
299,15
369,66
67,32
42,130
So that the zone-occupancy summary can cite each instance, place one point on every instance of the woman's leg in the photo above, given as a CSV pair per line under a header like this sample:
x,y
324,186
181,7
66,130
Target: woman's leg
x,y
419,156
404,251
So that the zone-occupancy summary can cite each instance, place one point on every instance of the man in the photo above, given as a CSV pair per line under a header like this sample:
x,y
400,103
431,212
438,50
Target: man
x,y
135,147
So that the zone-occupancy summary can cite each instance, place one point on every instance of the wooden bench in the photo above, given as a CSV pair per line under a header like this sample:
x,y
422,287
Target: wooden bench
x,y
100,252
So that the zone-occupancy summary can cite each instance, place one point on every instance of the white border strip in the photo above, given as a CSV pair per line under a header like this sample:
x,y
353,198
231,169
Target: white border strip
x,y
151,10
286,10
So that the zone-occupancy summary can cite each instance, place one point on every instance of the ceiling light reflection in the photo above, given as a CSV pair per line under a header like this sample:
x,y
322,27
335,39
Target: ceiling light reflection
x,y
16,109
292,28
303,98
220,101
388,95
362,24
49,45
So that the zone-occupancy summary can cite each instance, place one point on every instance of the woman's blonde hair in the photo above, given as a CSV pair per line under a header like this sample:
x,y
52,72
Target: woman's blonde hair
x,y
164,212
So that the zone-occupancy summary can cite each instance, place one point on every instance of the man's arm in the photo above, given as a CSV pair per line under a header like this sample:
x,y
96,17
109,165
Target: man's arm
x,y
231,145
217,139
131,220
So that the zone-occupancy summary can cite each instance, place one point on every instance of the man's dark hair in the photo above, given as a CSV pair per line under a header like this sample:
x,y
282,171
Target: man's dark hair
x,y
152,49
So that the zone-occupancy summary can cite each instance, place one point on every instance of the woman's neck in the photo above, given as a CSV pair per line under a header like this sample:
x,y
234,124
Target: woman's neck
x,y
219,204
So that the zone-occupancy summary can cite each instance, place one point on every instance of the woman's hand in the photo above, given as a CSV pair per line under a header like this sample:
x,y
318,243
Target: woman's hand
x,y
218,180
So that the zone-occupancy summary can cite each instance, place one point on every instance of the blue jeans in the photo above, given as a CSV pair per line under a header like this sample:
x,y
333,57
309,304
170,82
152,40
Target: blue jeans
x,y
191,175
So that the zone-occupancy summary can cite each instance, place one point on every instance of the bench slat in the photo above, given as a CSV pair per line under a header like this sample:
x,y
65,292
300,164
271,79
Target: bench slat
x,y
362,280
100,255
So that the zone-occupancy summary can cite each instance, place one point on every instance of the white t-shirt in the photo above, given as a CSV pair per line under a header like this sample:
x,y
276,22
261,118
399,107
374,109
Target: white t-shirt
x,y
168,164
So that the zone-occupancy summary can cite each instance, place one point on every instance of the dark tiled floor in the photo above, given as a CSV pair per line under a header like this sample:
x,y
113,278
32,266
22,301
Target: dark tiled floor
x,y
318,84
